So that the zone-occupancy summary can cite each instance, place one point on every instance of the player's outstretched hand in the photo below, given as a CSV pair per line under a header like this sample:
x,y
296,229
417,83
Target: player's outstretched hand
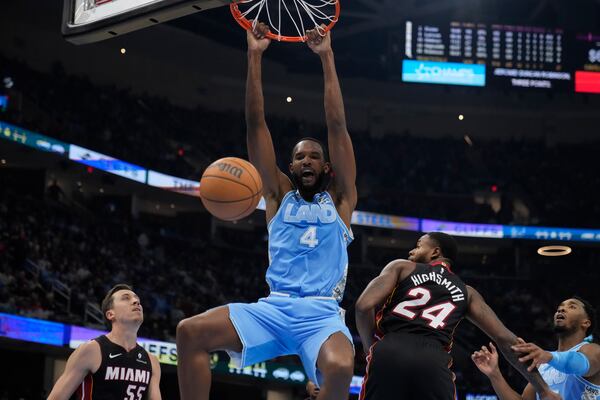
x,y
257,40
486,360
318,41
531,352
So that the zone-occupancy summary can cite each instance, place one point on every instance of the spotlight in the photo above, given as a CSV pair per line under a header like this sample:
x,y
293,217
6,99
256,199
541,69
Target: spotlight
x,y
289,99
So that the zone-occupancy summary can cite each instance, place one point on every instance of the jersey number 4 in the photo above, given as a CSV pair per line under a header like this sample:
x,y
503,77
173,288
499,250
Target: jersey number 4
x,y
309,237
436,315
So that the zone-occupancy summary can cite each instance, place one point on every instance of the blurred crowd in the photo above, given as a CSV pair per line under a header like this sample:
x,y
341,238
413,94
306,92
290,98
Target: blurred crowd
x,y
511,181
178,275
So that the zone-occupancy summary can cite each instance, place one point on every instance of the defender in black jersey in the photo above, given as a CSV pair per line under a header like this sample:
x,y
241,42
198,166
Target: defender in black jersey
x,y
411,335
112,366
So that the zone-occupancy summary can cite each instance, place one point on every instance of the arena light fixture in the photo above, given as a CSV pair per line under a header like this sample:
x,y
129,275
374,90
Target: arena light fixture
x,y
554,251
461,117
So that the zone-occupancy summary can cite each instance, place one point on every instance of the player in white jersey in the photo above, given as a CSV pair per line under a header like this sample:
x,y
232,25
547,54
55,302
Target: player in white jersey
x,y
573,371
308,217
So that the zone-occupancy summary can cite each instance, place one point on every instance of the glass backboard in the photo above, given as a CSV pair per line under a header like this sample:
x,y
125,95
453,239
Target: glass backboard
x,y
88,21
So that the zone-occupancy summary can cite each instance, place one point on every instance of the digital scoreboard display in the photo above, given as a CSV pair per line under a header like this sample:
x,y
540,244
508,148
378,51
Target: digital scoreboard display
x,y
587,74
475,54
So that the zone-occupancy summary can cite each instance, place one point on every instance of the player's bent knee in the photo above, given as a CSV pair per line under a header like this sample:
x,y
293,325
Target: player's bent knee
x,y
196,330
183,331
338,367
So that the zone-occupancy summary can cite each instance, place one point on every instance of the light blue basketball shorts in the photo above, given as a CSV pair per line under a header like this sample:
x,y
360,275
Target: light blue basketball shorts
x,y
277,326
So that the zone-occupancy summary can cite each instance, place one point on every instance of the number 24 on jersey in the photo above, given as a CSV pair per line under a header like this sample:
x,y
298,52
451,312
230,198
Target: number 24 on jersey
x,y
436,314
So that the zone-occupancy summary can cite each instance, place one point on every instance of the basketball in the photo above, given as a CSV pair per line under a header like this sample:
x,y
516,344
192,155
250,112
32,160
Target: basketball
x,y
230,188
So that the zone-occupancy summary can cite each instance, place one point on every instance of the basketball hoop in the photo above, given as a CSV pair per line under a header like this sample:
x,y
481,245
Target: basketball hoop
x,y
297,16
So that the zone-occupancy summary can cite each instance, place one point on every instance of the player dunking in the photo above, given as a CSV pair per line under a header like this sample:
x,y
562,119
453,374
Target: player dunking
x,y
309,230
573,371
112,366
410,337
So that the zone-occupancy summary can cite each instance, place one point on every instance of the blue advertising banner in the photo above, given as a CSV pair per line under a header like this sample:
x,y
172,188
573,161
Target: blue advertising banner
x,y
107,163
32,139
32,330
445,73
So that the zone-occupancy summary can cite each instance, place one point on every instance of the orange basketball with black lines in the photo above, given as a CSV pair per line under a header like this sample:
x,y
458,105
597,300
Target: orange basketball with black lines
x,y
230,188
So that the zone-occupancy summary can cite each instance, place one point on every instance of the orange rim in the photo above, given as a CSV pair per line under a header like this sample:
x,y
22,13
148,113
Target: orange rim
x,y
247,24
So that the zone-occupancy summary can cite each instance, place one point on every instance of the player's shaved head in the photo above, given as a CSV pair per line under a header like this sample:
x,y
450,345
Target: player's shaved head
x,y
314,140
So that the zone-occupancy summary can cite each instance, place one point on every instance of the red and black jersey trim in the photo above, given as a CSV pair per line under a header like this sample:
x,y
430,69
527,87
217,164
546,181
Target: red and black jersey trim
x,y
443,263
363,389
380,314
85,390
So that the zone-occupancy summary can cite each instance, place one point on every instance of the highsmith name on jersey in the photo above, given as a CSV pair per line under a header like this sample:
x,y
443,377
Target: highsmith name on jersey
x,y
456,292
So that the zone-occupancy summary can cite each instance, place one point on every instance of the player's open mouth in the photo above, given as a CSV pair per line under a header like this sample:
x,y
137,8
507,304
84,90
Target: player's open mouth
x,y
560,317
307,175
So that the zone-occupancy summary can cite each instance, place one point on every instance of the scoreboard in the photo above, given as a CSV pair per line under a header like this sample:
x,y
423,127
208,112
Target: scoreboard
x,y
475,54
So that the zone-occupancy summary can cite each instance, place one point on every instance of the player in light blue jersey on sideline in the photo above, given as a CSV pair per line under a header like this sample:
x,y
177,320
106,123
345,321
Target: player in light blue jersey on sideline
x,y
573,371
309,229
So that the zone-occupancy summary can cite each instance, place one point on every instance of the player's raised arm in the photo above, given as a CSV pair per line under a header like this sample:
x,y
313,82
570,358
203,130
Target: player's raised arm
x,y
480,314
339,142
258,137
375,294
85,359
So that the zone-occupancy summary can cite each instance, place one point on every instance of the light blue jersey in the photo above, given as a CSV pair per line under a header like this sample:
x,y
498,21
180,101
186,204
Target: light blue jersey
x,y
307,248
307,275
570,387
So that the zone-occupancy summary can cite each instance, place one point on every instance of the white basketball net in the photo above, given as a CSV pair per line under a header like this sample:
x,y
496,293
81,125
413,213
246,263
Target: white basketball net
x,y
303,14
